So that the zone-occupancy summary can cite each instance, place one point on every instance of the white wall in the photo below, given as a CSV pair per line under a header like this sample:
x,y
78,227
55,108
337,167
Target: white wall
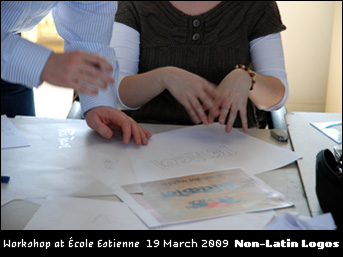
x,y
334,88
307,46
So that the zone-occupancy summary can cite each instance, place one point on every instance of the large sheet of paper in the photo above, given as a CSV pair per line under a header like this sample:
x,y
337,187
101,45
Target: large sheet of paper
x,y
200,149
64,158
208,195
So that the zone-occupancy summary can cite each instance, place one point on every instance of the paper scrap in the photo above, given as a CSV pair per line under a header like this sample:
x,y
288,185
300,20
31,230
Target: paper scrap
x,y
10,136
294,221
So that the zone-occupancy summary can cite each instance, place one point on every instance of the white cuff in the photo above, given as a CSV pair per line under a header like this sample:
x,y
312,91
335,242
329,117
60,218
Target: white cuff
x,y
121,105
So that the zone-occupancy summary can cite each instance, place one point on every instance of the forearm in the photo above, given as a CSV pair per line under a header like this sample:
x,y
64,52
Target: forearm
x,y
136,90
268,91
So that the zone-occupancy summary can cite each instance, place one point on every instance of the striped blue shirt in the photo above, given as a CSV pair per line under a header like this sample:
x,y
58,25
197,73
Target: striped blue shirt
x,y
85,25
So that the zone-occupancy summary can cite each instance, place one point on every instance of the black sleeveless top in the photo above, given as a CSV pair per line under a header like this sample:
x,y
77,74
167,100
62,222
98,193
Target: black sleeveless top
x,y
209,45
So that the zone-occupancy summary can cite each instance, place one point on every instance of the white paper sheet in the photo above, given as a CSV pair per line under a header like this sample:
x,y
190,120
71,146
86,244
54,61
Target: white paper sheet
x,y
200,149
331,129
295,221
67,213
243,221
110,163
63,158
10,136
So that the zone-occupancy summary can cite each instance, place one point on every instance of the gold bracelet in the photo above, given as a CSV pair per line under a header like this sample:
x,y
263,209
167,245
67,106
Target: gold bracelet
x,y
250,72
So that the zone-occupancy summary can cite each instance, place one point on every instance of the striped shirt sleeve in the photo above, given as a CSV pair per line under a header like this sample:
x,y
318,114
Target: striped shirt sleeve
x,y
22,61
87,25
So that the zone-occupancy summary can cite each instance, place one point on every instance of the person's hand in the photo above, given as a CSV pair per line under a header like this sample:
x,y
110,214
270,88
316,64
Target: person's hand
x,y
232,95
106,119
77,70
194,92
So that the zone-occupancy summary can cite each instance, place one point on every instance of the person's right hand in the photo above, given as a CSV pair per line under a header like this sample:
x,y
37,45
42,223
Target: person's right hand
x,y
105,119
76,70
195,93
231,98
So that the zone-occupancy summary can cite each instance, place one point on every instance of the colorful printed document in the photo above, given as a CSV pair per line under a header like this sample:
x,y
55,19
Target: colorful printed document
x,y
207,195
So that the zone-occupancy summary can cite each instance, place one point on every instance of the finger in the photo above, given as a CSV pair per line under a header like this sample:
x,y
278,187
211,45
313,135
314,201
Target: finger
x,y
136,134
232,118
80,87
94,75
130,128
191,112
91,79
102,74
199,110
214,113
140,134
96,124
105,131
126,129
224,111
243,115
145,135
206,100
97,61
209,97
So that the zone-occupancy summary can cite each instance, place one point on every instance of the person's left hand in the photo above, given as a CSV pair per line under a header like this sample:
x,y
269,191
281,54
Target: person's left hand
x,y
105,119
85,72
232,95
